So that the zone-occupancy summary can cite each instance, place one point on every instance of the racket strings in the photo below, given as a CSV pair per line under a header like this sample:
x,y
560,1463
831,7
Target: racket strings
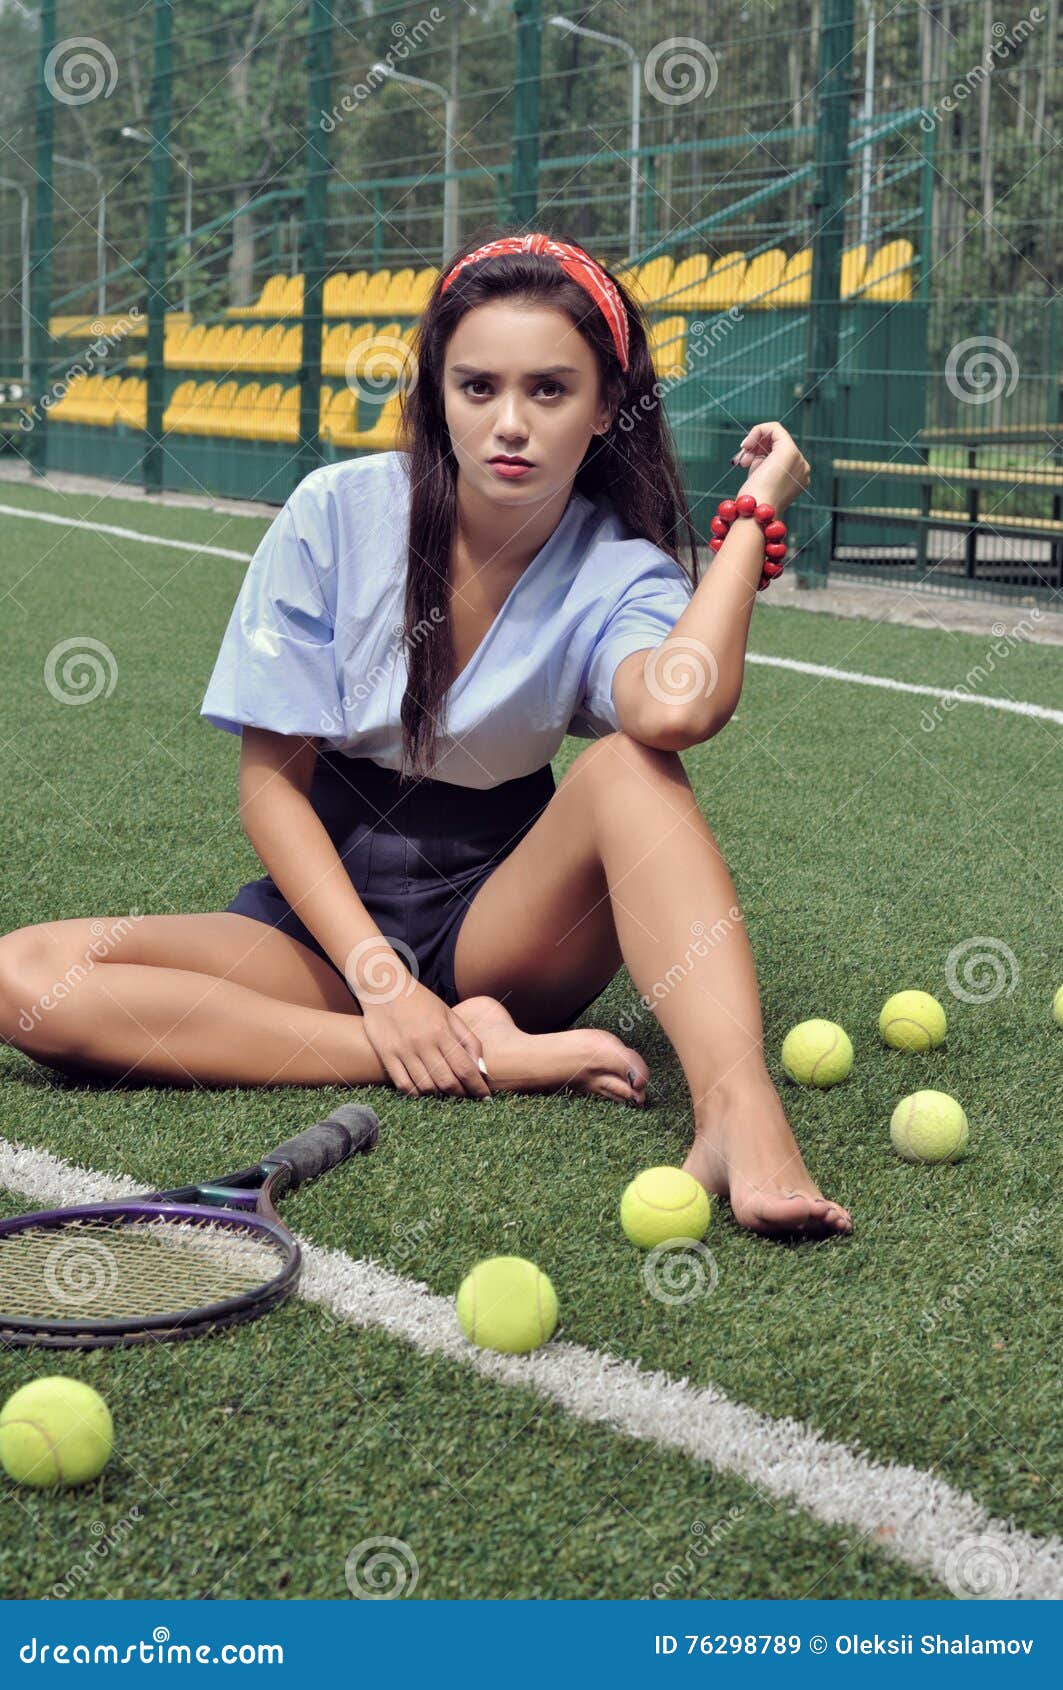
x,y
115,1269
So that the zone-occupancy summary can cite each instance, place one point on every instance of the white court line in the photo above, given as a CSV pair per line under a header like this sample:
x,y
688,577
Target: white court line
x,y
124,533
822,669
913,1516
1017,705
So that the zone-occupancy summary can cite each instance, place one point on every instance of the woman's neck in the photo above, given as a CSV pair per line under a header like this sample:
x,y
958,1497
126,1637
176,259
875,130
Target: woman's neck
x,y
488,536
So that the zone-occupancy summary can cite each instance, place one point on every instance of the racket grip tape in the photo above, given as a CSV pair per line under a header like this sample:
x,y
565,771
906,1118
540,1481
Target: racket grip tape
x,y
351,1127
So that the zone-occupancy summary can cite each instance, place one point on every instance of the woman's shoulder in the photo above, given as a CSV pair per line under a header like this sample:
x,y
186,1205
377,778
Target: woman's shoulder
x,y
374,475
615,553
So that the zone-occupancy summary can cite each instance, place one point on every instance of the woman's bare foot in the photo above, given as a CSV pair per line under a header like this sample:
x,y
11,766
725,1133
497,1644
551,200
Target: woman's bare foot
x,y
587,1060
745,1151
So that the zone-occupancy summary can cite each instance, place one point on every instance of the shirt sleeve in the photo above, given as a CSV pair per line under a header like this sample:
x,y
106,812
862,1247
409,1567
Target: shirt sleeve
x,y
647,612
277,664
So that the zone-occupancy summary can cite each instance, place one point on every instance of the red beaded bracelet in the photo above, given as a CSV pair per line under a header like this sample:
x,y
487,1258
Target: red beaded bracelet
x,y
774,532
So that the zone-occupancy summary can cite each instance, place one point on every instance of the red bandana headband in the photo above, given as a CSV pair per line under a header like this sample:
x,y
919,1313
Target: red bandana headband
x,y
576,264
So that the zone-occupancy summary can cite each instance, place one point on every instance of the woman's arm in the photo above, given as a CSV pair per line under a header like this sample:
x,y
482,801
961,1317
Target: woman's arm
x,y
294,846
686,689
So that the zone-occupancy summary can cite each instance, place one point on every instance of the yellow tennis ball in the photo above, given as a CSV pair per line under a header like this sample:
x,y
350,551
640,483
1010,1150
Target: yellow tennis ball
x,y
663,1203
912,1021
506,1303
817,1053
55,1431
928,1126
1057,1007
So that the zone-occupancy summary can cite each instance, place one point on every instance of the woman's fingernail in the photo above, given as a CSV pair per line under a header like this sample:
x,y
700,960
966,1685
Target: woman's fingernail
x,y
482,1067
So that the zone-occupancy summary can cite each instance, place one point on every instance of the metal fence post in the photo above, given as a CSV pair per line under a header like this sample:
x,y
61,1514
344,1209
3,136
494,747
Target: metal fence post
x,y
817,394
527,76
41,248
313,232
156,262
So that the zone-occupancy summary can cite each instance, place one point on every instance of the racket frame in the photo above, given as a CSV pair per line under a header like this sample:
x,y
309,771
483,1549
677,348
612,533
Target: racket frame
x,y
244,1200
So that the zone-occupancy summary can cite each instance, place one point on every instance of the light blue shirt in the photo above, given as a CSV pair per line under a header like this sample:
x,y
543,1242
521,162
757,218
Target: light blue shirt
x,y
313,645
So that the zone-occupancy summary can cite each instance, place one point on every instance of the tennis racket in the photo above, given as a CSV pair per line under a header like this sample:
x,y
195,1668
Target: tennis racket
x,y
170,1264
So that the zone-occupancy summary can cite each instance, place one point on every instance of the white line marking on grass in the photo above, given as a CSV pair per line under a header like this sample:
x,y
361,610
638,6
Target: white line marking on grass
x,y
124,533
854,675
911,1515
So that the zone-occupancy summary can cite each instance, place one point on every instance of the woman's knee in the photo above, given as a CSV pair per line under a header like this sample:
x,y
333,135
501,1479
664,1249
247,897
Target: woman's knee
x,y
618,756
30,984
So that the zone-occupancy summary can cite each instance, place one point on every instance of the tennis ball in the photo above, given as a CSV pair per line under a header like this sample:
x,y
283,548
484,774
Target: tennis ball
x,y
506,1303
928,1126
912,1021
817,1053
664,1203
55,1431
1057,1007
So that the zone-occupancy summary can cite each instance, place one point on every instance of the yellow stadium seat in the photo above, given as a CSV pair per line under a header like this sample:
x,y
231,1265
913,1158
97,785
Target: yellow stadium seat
x,y
332,294
131,406
668,340
291,350
796,285
888,275
722,287
375,293
292,298
685,278
339,419
763,274
271,298
854,264
398,295
191,347
242,413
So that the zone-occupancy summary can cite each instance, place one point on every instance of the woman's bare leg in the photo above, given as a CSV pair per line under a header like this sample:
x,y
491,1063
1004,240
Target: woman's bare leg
x,y
622,863
222,1000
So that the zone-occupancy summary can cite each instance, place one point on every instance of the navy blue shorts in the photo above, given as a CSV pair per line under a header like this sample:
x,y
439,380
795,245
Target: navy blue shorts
x,y
416,853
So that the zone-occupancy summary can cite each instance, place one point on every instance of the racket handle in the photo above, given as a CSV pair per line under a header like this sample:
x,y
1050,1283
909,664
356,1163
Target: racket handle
x,y
351,1127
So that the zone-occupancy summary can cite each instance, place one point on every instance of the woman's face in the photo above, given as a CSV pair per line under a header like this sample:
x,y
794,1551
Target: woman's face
x,y
520,381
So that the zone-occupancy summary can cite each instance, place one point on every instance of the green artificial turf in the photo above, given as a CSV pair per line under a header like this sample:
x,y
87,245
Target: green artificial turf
x,y
865,849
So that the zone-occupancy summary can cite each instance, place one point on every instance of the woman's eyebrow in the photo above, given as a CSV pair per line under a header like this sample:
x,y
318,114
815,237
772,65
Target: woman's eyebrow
x,y
555,370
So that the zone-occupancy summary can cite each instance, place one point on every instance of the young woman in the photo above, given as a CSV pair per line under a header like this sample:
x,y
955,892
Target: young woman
x,y
414,637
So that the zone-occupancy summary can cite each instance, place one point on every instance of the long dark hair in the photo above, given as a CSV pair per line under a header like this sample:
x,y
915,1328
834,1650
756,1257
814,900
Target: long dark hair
x,y
634,466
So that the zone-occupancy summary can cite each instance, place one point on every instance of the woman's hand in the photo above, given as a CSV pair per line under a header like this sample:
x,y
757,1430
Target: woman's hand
x,y
778,472
423,1045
